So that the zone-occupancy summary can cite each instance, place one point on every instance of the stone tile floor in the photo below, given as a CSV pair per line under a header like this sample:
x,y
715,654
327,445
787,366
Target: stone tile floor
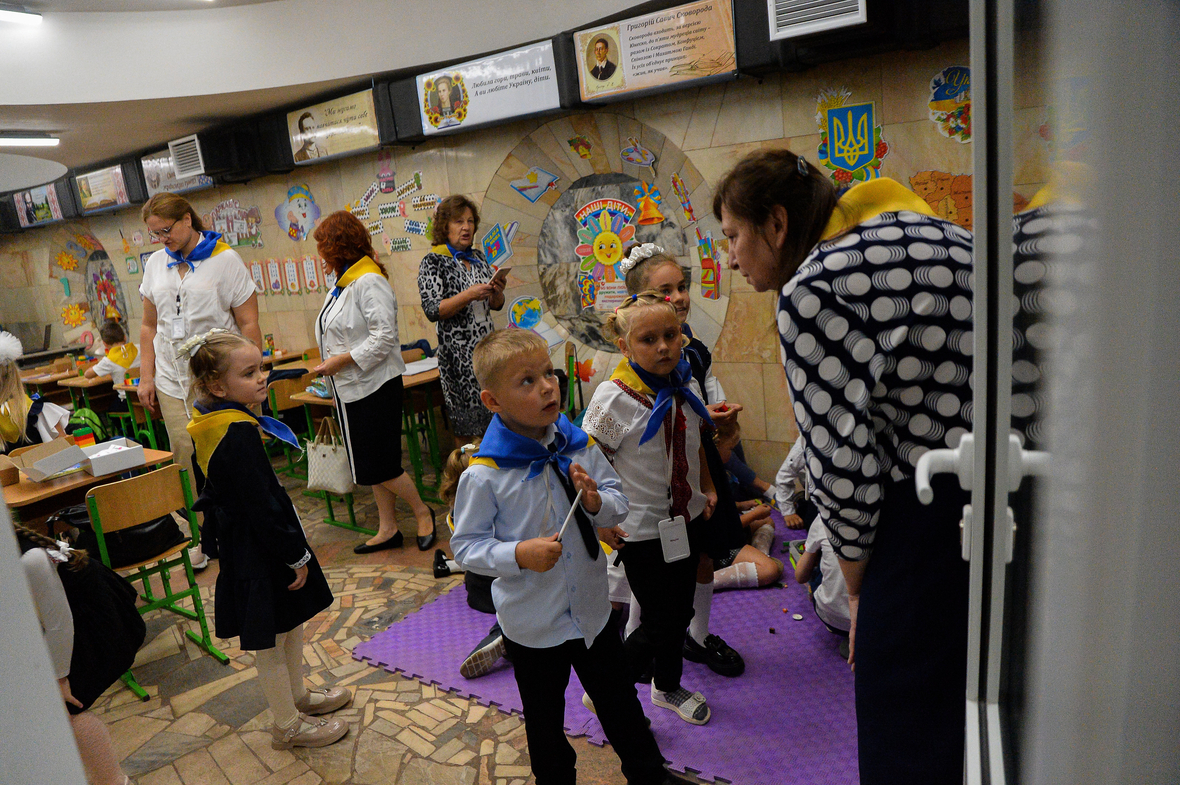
x,y
206,723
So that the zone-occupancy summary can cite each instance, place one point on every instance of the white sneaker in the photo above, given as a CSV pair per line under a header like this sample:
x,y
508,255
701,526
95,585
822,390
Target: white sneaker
x,y
589,704
198,558
690,706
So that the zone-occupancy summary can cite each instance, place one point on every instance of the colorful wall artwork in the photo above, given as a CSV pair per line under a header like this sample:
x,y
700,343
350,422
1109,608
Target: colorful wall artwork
x,y
311,273
951,196
605,228
580,145
497,243
649,199
710,266
397,244
534,184
274,276
386,175
132,265
850,140
638,155
445,101
950,102
681,191
259,280
297,215
292,274
239,226
526,313
416,227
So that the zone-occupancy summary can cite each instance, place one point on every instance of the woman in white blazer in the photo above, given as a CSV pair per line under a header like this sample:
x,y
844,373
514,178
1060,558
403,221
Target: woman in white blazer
x,y
357,335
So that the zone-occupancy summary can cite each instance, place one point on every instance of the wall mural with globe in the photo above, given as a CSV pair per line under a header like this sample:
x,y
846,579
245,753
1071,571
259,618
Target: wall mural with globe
x,y
571,196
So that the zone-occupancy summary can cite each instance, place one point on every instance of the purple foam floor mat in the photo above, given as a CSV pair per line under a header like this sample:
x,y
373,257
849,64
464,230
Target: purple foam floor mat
x,y
790,718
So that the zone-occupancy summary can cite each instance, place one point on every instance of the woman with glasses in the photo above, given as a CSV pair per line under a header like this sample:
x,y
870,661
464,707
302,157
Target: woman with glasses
x,y
194,283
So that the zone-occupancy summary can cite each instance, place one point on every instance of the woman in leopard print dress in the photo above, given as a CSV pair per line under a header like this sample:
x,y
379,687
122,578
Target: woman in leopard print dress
x,y
458,293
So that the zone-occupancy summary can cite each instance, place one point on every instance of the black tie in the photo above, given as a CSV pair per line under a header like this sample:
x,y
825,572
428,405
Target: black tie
x,y
585,525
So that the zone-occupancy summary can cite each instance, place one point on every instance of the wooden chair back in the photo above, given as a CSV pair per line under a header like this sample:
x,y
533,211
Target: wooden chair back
x,y
311,354
127,503
410,355
280,392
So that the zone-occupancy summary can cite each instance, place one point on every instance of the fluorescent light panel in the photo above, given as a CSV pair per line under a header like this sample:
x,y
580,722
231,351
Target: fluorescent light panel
x,y
29,141
18,14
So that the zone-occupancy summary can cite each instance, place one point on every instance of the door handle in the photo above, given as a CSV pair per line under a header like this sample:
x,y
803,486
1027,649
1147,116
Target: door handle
x,y
960,461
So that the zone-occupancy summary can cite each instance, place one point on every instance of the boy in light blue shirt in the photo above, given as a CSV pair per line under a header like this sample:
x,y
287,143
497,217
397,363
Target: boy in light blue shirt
x,y
550,594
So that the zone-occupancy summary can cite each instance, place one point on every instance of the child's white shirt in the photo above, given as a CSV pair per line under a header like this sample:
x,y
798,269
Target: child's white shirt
x,y
108,367
784,482
617,421
831,598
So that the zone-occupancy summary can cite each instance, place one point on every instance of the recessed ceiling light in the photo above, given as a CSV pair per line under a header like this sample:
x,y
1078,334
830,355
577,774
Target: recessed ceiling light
x,y
28,140
18,14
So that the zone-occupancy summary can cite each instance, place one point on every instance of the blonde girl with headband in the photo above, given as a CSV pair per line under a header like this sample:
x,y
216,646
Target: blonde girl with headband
x,y
651,423
23,420
270,582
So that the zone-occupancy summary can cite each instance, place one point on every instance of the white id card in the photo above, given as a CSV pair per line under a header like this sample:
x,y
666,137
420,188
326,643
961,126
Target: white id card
x,y
178,328
674,539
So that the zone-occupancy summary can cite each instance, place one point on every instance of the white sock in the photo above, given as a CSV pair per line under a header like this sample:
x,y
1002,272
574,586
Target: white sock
x,y
743,575
632,617
702,604
763,538
453,566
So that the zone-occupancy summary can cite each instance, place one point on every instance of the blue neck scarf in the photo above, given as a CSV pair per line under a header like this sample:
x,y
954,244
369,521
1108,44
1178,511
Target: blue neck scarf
x,y
666,389
510,450
463,256
269,425
203,251
513,451
337,289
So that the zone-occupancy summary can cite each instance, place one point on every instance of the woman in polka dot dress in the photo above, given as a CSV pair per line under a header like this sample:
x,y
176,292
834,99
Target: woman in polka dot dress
x,y
875,324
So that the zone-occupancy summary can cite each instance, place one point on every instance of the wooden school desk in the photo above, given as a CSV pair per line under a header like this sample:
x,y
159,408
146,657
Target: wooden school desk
x,y
29,500
83,385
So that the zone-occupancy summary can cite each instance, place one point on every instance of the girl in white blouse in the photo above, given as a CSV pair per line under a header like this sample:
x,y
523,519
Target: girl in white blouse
x,y
357,335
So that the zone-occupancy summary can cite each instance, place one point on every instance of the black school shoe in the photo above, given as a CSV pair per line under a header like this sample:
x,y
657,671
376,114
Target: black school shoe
x,y
716,653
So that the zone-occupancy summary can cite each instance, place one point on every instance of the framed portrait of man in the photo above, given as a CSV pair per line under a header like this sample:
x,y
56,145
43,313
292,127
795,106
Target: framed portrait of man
x,y
602,70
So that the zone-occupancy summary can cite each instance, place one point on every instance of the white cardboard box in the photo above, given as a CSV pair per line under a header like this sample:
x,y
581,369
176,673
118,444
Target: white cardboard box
x,y
127,458
46,460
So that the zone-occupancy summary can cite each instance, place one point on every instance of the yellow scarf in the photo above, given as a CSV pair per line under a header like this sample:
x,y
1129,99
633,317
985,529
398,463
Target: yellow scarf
x,y
11,431
362,266
1070,183
207,431
626,374
869,199
123,355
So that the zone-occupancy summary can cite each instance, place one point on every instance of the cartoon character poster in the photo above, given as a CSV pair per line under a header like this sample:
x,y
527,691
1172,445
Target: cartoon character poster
x,y
91,290
605,227
445,101
239,226
850,140
297,215
950,102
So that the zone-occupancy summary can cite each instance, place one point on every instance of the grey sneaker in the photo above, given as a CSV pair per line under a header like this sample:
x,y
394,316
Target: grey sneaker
x,y
484,656
321,733
690,706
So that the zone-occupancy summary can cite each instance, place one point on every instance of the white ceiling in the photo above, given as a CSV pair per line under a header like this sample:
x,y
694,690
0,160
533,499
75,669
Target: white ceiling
x,y
111,77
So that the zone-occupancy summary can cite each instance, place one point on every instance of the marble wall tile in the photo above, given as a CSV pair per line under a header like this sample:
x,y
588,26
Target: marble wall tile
x,y
919,147
862,76
906,83
562,129
608,133
743,384
749,112
749,334
472,159
587,126
558,153
764,457
713,162
704,118
780,418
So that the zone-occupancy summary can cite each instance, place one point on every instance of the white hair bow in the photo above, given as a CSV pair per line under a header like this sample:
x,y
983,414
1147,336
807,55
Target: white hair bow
x,y
638,254
10,347
189,347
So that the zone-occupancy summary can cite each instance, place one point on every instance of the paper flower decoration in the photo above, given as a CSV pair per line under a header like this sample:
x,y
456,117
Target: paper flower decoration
x,y
66,261
603,237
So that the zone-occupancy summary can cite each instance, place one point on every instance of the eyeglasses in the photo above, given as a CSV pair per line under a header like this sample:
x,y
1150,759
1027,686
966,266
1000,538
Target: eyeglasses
x,y
163,233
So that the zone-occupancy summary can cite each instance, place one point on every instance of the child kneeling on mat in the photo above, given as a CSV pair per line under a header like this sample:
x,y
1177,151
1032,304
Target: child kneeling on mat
x,y
270,582
550,589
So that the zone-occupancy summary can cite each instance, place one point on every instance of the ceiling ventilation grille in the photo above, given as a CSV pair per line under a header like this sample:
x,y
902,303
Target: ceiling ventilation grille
x,y
186,157
794,18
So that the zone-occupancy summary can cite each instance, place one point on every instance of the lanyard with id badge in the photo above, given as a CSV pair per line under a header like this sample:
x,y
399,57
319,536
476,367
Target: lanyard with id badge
x,y
673,529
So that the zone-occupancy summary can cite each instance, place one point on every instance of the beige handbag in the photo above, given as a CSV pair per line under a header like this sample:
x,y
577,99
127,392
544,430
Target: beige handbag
x,y
327,461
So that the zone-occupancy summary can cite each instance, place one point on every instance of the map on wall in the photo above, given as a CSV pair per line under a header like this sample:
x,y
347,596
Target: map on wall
x,y
950,196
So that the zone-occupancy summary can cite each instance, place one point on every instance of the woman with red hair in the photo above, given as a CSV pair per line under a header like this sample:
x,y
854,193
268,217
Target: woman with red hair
x,y
357,335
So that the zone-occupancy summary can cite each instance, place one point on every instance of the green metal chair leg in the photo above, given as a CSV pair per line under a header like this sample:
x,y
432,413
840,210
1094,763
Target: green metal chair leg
x,y
128,678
